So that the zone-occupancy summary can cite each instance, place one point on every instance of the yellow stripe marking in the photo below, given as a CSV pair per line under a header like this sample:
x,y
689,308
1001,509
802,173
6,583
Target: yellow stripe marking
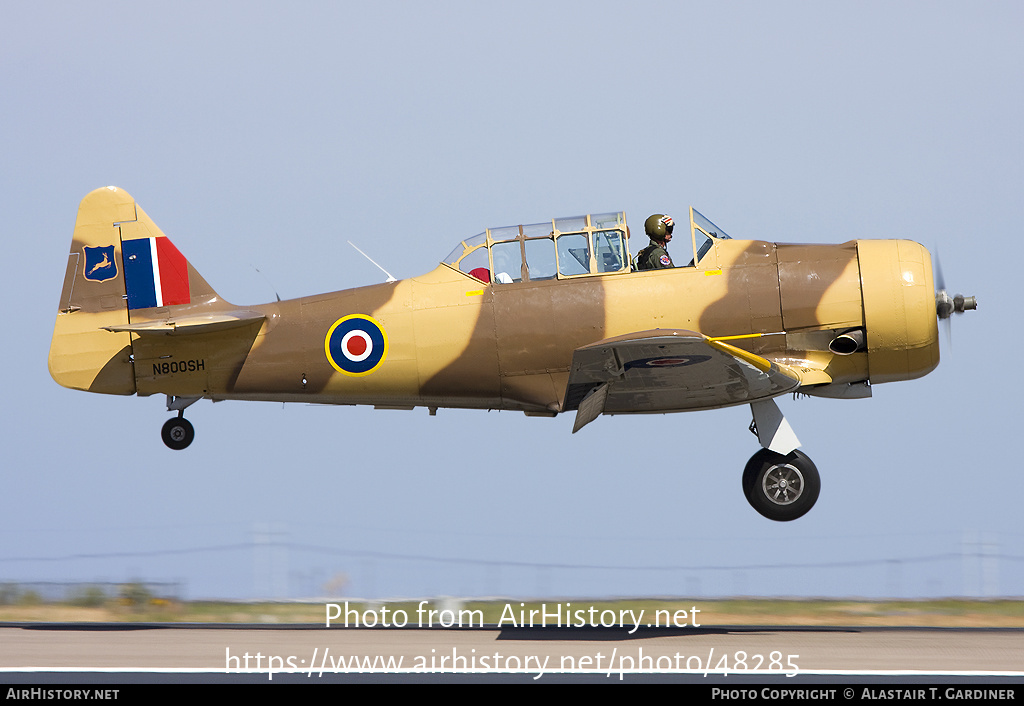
x,y
475,293
733,338
755,360
708,273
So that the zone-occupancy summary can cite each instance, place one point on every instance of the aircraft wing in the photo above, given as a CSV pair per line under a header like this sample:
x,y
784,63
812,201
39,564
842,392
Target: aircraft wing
x,y
668,370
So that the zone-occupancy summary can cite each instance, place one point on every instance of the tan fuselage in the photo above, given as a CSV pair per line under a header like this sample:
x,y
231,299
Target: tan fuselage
x,y
456,343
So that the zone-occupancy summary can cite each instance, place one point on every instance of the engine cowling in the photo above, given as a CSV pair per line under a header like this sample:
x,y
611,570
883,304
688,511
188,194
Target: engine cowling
x,y
899,309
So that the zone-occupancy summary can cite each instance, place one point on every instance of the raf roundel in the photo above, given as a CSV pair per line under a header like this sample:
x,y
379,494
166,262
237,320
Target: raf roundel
x,y
356,345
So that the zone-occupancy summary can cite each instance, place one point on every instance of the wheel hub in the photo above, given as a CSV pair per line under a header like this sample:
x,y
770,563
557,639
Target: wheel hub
x,y
783,484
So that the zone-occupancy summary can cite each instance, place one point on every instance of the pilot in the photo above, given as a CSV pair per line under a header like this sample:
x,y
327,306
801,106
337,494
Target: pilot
x,y
655,256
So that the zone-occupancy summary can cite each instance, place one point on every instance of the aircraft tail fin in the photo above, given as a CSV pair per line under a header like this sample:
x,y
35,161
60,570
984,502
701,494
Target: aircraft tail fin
x,y
121,271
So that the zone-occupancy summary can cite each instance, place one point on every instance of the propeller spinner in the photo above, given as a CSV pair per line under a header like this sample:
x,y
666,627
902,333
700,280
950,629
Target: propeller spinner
x,y
945,305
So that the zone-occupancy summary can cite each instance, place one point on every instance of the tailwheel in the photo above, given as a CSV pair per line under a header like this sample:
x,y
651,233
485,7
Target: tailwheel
x,y
177,433
782,488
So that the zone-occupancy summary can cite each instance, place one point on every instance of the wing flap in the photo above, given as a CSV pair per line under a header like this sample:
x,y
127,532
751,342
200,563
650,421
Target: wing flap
x,y
672,370
591,407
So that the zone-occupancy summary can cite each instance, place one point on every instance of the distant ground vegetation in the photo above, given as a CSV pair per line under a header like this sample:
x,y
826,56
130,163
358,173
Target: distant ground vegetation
x,y
138,603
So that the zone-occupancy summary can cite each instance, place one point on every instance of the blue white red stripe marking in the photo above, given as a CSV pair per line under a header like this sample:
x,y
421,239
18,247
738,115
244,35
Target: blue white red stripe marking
x,y
155,273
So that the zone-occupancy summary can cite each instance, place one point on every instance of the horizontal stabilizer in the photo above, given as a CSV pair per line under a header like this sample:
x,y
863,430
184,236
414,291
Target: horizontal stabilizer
x,y
192,324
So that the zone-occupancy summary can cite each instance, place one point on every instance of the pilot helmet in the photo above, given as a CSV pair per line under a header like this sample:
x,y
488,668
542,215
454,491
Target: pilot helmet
x,y
658,225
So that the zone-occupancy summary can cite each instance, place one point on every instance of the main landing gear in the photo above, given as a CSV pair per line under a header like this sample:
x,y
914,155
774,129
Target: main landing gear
x,y
779,482
781,488
178,432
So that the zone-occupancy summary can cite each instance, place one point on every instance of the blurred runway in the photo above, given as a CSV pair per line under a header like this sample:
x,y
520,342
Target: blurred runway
x,y
315,652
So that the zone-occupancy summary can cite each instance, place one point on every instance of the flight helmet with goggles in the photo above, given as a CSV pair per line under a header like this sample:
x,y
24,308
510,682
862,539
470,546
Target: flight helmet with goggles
x,y
658,226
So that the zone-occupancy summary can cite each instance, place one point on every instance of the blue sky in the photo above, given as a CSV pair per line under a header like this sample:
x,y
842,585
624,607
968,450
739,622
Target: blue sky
x,y
260,136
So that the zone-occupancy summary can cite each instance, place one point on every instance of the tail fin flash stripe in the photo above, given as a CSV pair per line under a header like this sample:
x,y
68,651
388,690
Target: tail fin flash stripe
x,y
173,273
138,273
155,273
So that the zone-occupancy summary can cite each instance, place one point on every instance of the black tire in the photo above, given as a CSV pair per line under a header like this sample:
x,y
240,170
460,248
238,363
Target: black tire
x,y
177,433
782,488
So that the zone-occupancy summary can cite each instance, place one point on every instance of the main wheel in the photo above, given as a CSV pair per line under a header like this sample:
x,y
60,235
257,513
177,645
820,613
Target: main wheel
x,y
781,488
177,433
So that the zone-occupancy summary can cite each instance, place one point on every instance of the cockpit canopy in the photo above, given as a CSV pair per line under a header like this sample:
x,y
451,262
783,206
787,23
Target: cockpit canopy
x,y
561,248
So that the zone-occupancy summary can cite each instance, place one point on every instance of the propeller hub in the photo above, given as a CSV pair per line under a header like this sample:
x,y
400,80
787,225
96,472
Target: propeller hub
x,y
962,303
946,306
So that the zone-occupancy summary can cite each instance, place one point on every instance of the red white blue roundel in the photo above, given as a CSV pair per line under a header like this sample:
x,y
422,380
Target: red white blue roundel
x,y
356,345
670,362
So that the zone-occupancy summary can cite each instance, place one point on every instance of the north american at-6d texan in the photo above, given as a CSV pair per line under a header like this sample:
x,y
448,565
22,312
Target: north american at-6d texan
x,y
545,319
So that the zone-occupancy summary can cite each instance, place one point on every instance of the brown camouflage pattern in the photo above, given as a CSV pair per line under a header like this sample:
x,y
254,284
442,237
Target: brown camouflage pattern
x,y
457,342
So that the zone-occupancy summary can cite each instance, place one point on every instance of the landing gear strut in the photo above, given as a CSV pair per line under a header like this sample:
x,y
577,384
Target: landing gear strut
x,y
178,432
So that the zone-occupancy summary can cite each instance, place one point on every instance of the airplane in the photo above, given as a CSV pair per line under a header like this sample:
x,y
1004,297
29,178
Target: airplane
x,y
547,318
